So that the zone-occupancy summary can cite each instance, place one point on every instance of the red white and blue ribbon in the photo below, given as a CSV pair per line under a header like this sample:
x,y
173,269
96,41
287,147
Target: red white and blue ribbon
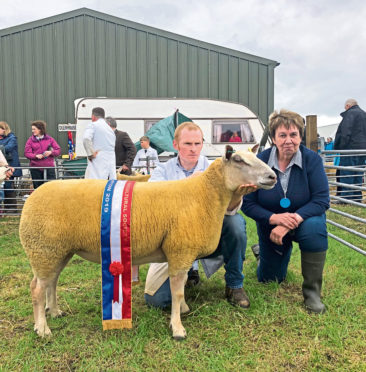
x,y
116,254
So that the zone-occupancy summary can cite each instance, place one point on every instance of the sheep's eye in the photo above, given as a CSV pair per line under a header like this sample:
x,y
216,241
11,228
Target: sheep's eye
x,y
240,160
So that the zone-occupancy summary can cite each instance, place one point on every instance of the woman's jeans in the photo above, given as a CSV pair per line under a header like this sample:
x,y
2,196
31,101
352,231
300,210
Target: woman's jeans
x,y
274,259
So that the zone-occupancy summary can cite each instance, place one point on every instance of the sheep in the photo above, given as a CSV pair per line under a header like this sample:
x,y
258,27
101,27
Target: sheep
x,y
171,221
135,177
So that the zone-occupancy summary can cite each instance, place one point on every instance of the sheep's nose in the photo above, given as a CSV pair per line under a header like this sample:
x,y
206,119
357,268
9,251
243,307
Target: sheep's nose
x,y
272,177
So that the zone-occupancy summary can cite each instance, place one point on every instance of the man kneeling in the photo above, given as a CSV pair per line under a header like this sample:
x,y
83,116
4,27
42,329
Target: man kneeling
x,y
188,141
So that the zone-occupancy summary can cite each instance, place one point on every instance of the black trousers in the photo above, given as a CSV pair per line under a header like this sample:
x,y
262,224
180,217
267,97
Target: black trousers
x,y
38,176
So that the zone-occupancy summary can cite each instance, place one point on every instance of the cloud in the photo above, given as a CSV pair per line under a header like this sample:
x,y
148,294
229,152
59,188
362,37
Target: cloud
x,y
320,45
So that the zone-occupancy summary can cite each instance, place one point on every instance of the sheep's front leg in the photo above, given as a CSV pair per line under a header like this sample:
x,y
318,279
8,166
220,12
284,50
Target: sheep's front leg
x,y
178,303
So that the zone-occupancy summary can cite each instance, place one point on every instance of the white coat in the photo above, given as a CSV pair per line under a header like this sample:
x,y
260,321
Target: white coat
x,y
103,140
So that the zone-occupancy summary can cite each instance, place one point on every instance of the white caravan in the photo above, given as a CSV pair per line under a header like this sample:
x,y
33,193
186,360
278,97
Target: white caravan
x,y
222,123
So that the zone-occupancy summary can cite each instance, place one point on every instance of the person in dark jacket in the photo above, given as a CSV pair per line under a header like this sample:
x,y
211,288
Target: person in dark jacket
x,y
41,149
125,148
294,210
9,143
351,135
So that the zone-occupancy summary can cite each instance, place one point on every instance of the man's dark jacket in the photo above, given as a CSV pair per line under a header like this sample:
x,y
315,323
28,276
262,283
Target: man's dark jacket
x,y
125,150
351,133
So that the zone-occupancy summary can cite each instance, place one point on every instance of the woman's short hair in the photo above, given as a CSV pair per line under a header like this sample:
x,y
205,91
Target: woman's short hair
x,y
286,118
40,125
4,125
187,124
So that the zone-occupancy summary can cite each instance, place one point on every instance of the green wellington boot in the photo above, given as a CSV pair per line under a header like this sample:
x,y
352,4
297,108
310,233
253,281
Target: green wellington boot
x,y
312,264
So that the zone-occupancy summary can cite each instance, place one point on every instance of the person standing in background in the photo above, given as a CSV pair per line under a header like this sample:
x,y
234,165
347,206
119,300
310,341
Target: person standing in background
x,y
9,142
99,143
125,149
351,135
41,149
146,151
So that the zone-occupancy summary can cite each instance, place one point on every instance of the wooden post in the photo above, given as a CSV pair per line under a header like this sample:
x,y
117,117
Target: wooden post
x,y
312,132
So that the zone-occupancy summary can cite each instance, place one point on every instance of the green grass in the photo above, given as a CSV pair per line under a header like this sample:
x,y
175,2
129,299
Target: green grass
x,y
275,334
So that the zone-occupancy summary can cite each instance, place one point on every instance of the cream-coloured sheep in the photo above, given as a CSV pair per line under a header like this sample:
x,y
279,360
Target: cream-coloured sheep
x,y
171,221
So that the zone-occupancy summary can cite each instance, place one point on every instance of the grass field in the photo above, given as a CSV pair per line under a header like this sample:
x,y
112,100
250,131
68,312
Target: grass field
x,y
275,334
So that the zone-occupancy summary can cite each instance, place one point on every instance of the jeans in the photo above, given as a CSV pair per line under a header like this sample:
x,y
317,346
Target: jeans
x,y
311,235
232,245
38,176
353,178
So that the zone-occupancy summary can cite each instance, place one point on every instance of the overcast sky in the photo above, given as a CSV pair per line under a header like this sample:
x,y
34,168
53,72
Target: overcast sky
x,y
320,45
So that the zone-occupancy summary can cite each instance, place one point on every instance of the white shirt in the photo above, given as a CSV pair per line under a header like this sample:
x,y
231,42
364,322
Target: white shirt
x,y
142,154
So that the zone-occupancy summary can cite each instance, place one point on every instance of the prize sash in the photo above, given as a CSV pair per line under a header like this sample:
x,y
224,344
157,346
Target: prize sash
x,y
116,254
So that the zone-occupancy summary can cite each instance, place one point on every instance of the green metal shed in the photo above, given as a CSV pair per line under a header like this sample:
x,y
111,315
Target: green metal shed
x,y
45,65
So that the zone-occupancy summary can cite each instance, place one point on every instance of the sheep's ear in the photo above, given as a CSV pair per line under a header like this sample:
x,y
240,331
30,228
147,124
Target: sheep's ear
x,y
255,148
228,152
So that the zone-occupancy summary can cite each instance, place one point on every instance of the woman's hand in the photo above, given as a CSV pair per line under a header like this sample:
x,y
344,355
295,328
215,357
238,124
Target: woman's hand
x,y
288,220
46,154
39,156
278,233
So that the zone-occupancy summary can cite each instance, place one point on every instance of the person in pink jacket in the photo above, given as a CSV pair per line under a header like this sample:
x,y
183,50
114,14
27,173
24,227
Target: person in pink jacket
x,y
41,149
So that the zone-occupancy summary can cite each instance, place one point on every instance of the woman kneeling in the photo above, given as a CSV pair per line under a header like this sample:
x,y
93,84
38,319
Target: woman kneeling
x,y
294,210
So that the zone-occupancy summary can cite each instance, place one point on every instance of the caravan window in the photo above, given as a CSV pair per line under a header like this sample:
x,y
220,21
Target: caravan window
x,y
149,123
226,131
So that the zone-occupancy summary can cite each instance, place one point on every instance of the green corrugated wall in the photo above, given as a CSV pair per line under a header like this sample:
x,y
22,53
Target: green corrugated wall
x,y
45,65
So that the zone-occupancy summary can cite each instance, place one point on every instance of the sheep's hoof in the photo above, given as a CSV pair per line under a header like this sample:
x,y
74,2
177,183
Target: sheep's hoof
x,y
42,331
178,338
56,313
184,308
179,333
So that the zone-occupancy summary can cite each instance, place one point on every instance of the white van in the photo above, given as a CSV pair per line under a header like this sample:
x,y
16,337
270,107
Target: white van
x,y
222,123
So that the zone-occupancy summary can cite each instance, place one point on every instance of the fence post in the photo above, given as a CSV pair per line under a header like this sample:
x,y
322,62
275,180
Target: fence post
x,y
312,132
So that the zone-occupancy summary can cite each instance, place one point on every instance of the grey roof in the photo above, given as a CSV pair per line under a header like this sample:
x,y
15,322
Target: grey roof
x,y
137,26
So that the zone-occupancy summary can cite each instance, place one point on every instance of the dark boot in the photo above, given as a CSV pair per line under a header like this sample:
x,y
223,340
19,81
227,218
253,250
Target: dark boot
x,y
193,278
237,297
312,264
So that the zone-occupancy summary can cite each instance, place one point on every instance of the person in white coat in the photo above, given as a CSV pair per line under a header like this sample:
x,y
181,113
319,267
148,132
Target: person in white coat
x,y
146,151
99,142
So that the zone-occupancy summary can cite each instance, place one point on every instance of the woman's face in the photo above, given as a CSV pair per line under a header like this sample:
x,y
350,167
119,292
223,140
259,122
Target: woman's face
x,y
2,131
35,131
287,141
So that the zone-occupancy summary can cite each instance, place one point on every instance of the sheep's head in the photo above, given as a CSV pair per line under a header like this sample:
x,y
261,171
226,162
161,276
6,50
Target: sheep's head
x,y
243,167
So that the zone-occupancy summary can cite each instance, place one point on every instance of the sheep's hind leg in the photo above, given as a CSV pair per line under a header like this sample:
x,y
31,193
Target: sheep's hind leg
x,y
38,290
178,304
51,292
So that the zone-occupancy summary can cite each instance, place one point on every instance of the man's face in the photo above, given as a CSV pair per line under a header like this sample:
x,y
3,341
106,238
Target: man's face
x,y
189,145
145,144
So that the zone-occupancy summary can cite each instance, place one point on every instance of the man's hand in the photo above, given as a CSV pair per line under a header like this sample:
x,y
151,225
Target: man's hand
x,y
93,155
289,220
9,173
244,190
278,233
239,193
